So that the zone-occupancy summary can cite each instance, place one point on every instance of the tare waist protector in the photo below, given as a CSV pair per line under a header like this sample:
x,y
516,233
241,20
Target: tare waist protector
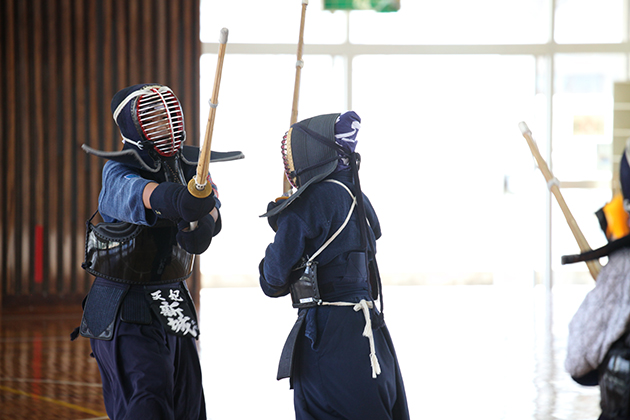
x,y
136,254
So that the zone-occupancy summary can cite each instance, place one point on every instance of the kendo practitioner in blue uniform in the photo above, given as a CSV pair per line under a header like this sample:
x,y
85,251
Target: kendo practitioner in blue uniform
x,y
339,355
598,345
139,315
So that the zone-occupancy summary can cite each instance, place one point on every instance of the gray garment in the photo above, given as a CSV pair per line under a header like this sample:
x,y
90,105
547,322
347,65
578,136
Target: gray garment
x,y
602,318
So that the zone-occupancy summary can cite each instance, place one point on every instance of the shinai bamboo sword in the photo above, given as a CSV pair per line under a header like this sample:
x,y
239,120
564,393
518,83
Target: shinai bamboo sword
x,y
198,185
594,266
286,185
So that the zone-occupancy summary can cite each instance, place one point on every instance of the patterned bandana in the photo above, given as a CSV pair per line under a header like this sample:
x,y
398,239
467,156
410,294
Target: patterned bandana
x,y
346,129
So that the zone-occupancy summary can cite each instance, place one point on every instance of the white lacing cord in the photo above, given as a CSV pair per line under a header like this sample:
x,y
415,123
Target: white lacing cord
x,y
354,203
365,306
135,143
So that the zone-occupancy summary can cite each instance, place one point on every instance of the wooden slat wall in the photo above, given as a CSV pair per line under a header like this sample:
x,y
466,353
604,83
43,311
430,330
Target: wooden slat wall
x,y
61,61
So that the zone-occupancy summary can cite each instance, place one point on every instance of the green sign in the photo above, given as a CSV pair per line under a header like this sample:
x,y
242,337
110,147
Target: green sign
x,y
378,5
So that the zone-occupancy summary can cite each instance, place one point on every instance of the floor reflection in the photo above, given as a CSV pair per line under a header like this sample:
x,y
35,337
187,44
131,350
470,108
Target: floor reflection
x,y
43,375
473,352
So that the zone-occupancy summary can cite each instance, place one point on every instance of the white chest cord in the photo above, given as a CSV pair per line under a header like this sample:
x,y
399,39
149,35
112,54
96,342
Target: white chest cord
x,y
363,304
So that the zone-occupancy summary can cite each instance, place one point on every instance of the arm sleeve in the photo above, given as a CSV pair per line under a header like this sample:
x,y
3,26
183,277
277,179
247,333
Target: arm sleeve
x,y
281,256
602,317
121,196
372,217
589,379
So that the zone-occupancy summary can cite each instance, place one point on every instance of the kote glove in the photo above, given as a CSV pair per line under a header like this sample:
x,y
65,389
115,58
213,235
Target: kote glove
x,y
173,201
198,240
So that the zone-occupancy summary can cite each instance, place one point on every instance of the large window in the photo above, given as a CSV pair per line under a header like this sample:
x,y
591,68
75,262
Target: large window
x,y
441,88
437,150
591,22
454,22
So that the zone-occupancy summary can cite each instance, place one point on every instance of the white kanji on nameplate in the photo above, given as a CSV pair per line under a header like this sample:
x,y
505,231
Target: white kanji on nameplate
x,y
171,310
174,295
157,295
183,324
174,312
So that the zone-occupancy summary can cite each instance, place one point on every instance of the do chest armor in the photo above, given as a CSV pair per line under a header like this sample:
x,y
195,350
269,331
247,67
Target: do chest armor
x,y
136,254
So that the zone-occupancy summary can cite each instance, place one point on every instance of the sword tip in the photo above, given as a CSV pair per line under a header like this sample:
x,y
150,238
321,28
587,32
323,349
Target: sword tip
x,y
524,128
224,36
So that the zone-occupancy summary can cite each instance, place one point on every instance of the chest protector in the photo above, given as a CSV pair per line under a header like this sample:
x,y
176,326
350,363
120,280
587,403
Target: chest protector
x,y
137,254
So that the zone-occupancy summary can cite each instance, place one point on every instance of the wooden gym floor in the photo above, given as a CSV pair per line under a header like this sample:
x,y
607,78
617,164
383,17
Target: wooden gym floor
x,y
44,375
497,350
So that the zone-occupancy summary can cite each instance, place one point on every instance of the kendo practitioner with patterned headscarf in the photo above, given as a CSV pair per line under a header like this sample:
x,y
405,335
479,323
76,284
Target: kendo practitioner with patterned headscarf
x,y
598,345
339,355
139,315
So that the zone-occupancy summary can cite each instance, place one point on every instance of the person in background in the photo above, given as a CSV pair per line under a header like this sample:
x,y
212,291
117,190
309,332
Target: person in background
x,y
598,346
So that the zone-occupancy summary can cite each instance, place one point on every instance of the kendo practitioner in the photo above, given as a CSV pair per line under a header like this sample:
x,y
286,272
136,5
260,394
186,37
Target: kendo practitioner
x,y
598,346
139,314
339,355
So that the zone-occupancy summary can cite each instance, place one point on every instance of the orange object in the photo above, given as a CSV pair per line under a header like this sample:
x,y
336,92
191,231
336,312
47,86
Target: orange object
x,y
616,218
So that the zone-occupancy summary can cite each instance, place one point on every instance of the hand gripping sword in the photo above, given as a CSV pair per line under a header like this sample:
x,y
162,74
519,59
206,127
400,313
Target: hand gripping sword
x,y
286,185
594,266
198,185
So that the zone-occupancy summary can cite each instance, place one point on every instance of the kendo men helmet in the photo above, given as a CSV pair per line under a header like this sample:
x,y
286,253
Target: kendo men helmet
x,y
150,115
306,159
310,146
613,217
316,147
